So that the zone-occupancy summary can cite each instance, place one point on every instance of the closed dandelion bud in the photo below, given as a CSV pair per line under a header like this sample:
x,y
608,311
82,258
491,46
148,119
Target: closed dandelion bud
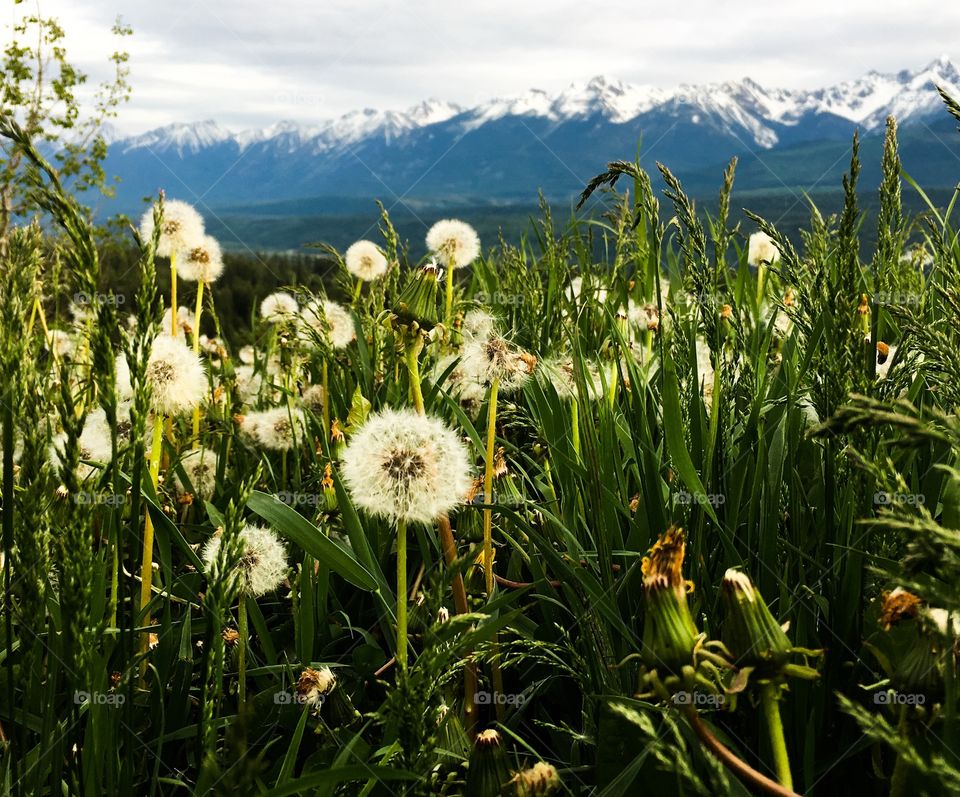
x,y
329,492
337,439
488,771
418,301
669,633
863,314
541,778
750,631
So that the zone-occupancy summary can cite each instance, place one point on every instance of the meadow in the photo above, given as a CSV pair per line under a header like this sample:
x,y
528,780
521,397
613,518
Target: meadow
x,y
681,517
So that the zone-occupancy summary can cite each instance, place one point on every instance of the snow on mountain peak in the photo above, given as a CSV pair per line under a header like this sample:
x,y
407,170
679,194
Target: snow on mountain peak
x,y
742,107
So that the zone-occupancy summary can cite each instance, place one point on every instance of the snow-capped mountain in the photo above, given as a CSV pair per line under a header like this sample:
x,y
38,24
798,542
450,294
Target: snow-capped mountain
x,y
515,144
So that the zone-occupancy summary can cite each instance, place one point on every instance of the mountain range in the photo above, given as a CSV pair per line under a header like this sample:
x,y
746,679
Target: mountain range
x,y
502,151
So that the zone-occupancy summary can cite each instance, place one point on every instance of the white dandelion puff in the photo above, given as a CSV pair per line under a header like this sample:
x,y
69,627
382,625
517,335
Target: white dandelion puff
x,y
454,242
276,429
406,467
185,321
278,307
60,343
313,398
122,369
176,377
330,320
478,324
262,565
761,250
247,355
180,228
467,391
561,373
705,372
200,467
201,262
249,383
495,358
365,261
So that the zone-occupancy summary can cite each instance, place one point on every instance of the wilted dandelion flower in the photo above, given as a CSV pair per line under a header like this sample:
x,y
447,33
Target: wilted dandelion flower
x,y
454,242
761,250
94,443
278,307
313,686
200,466
646,317
122,370
406,467
276,429
180,228
262,565
330,320
202,261
175,375
365,261
885,356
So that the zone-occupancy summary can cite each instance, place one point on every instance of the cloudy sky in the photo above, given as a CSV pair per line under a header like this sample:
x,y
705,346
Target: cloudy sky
x,y
248,64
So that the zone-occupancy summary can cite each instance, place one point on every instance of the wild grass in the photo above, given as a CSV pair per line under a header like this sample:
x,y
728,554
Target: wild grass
x,y
796,418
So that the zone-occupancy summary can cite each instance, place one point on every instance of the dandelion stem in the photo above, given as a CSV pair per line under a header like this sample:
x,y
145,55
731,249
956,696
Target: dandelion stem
x,y
242,651
413,366
402,594
898,780
488,488
448,311
146,565
196,350
325,382
173,293
357,290
771,712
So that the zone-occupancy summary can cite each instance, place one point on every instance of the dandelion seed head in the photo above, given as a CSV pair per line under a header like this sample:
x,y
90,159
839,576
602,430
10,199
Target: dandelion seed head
x,y
175,375
365,261
454,242
761,250
331,321
200,466
404,466
276,429
278,307
201,262
180,228
262,565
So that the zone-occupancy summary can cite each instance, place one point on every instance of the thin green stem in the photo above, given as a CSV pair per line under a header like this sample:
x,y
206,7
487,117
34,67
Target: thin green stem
x,y
412,356
325,382
488,488
448,311
146,564
770,700
575,425
173,293
198,311
357,290
402,594
901,769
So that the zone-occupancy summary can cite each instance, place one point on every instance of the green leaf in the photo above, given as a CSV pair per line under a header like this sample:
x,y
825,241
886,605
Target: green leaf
x,y
300,531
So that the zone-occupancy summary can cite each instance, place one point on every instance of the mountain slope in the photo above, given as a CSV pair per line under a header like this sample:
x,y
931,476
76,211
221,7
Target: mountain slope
x,y
506,148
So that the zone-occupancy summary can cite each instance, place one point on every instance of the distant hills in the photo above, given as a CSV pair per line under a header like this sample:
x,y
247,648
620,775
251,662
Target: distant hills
x,y
438,155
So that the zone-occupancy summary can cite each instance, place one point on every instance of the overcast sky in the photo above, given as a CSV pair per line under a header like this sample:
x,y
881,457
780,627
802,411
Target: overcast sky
x,y
248,64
